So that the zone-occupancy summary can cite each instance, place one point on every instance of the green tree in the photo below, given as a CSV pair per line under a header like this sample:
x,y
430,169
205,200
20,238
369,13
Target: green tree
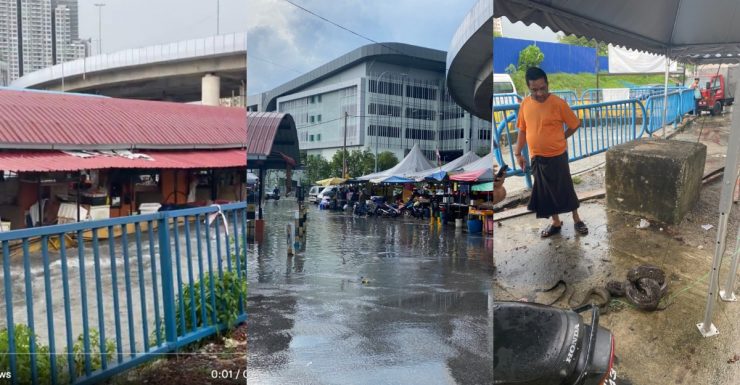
x,y
603,49
359,162
530,56
386,160
316,168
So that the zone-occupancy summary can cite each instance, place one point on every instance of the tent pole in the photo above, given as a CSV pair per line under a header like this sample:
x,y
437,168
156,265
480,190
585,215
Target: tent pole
x,y
665,93
706,328
729,180
728,293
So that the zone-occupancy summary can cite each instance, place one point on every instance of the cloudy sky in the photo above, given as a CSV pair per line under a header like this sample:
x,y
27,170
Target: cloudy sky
x,y
283,41
139,23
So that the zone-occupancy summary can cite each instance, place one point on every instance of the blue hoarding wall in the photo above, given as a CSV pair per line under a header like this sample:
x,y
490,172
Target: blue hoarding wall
x,y
559,57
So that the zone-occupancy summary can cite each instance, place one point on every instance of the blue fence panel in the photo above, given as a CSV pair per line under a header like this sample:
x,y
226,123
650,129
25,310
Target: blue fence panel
x,y
602,125
146,261
569,96
559,57
654,109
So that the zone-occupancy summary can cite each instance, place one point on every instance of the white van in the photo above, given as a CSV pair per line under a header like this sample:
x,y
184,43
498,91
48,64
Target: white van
x,y
502,84
328,191
313,192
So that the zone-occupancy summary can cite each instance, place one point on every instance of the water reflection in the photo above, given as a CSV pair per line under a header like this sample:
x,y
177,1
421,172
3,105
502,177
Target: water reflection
x,y
371,301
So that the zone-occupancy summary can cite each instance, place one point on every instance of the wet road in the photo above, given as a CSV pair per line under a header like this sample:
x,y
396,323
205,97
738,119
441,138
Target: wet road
x,y
372,301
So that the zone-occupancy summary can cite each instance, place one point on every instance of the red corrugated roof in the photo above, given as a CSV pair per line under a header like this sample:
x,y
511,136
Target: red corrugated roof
x,y
261,131
41,161
31,119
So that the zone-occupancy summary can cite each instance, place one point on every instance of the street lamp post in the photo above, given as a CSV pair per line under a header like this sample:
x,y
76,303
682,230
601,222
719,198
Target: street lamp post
x,y
100,27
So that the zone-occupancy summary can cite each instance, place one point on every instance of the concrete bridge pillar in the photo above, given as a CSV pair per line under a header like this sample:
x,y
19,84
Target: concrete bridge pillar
x,y
210,90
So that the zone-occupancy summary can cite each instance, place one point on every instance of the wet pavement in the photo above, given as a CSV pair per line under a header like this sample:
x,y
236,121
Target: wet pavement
x,y
651,347
371,301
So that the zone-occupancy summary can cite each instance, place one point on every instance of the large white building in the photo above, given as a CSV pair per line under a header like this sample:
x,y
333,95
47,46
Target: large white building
x,y
47,30
379,97
67,45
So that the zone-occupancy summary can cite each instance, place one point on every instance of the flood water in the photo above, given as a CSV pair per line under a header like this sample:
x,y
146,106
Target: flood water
x,y
371,301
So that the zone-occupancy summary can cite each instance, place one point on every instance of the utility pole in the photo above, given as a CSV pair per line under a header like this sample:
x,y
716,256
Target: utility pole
x,y
100,27
344,148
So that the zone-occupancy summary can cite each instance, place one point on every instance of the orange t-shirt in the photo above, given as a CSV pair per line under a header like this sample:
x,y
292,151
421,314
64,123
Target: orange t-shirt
x,y
542,124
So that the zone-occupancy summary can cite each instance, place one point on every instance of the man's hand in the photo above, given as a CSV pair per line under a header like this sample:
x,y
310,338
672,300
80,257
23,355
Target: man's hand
x,y
521,161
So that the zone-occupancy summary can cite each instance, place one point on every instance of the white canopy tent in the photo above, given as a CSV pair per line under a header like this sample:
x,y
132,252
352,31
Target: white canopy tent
x,y
412,163
459,162
683,30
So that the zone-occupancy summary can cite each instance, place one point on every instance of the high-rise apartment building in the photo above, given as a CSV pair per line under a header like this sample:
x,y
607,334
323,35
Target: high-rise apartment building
x,y
35,34
67,45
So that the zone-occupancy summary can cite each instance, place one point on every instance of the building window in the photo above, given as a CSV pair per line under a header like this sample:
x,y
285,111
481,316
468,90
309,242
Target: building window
x,y
419,134
319,97
312,99
318,118
417,92
383,109
420,113
312,118
386,88
384,131
484,134
310,138
451,134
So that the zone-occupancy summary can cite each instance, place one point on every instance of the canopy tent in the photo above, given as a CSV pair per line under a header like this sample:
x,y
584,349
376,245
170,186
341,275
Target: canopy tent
x,y
439,173
330,181
251,178
412,163
479,175
693,31
392,179
480,170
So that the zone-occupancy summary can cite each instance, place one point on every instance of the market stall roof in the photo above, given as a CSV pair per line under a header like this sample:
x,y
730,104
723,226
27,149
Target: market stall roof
x,y
330,181
272,140
393,180
50,161
439,173
34,120
412,163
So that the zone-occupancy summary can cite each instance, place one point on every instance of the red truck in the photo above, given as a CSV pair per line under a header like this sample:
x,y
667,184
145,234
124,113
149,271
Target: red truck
x,y
717,90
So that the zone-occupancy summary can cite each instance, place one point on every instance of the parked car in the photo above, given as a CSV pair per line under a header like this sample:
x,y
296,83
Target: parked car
x,y
329,191
313,193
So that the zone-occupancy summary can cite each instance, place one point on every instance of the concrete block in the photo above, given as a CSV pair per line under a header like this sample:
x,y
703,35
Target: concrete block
x,y
654,178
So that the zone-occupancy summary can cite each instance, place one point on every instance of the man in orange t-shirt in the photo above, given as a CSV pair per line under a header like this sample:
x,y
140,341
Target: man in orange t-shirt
x,y
541,120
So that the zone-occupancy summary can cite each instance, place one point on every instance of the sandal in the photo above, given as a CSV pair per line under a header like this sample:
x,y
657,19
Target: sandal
x,y
550,230
581,228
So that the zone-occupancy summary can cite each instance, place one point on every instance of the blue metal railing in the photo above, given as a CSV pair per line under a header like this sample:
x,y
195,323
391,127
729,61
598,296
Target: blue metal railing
x,y
152,265
602,125
654,106
569,96
506,99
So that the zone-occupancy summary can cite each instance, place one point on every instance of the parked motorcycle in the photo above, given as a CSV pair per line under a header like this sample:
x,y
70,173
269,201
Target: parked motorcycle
x,y
542,345
385,210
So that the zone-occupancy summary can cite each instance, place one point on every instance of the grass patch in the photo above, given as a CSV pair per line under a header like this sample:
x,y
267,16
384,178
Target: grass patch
x,y
583,81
